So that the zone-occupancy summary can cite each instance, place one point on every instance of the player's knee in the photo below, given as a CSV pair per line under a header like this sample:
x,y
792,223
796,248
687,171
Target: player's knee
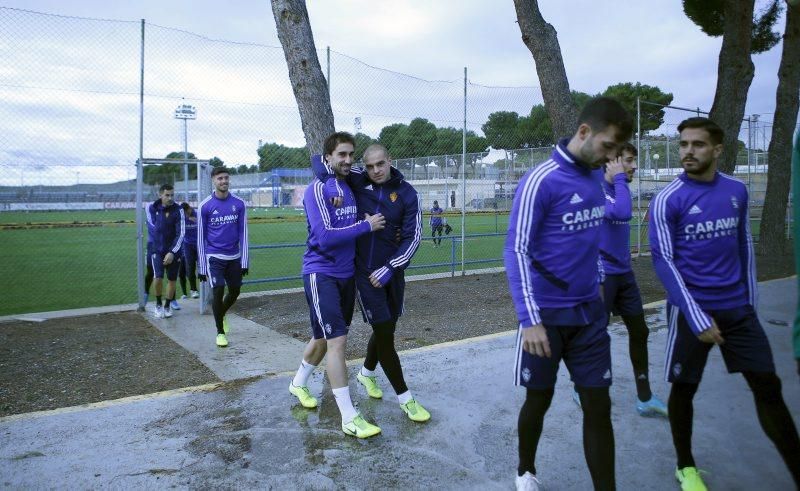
x,y
538,400
234,291
682,392
766,386
637,327
596,402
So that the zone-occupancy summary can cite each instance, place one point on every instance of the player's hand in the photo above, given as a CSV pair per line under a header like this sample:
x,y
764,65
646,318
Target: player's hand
x,y
169,258
245,271
381,277
535,342
614,167
376,221
337,201
202,277
712,335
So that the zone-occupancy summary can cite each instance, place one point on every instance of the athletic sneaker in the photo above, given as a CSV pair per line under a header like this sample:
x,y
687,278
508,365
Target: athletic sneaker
x,y
371,384
415,411
653,407
167,312
360,428
159,312
576,397
174,304
690,479
527,482
195,294
184,297
225,326
222,341
303,395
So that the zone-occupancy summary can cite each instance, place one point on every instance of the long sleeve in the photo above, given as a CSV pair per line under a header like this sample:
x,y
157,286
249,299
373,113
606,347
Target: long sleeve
x,y
527,213
202,232
410,235
746,253
319,219
180,233
244,238
662,241
621,207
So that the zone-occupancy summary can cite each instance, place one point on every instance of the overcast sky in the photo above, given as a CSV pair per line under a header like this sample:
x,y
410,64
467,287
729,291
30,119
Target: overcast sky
x,y
70,87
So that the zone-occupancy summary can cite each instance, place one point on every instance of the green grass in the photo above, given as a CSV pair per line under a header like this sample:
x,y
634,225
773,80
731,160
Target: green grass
x,y
73,267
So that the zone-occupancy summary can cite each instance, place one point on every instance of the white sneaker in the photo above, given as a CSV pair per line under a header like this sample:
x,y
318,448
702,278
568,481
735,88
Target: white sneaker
x,y
183,297
167,312
159,312
528,482
195,294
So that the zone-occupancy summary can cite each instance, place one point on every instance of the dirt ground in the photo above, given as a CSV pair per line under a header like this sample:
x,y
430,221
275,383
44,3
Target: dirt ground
x,y
67,362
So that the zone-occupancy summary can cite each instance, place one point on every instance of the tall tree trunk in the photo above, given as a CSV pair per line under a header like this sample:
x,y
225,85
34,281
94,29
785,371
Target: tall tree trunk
x,y
734,75
541,39
772,236
308,82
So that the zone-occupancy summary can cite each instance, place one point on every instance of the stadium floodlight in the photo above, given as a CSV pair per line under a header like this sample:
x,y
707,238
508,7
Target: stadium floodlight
x,y
186,112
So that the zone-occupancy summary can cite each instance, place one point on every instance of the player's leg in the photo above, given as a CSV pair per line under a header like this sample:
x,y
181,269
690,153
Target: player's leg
x,y
538,376
366,296
775,419
587,355
684,365
182,273
747,350
215,269
172,276
190,262
148,276
232,274
312,354
158,275
629,306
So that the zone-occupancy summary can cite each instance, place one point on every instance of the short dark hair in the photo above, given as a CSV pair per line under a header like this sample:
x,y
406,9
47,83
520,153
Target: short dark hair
x,y
336,139
185,206
630,148
715,133
165,187
601,112
219,170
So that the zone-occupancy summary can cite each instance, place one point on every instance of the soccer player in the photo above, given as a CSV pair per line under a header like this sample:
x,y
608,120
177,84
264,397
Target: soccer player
x,y
166,218
329,284
380,262
554,273
620,291
703,254
189,262
436,223
222,248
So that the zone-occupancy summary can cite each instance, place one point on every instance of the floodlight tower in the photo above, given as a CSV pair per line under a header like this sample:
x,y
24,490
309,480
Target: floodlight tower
x,y
186,112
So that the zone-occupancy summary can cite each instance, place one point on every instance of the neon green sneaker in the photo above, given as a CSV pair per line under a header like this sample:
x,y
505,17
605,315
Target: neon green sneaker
x,y
360,428
303,395
690,479
225,326
371,384
415,411
222,341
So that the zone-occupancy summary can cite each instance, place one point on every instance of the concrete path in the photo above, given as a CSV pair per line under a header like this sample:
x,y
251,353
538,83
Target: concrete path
x,y
252,434
254,349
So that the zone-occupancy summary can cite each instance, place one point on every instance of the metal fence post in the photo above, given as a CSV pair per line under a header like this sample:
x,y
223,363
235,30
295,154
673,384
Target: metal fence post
x,y
140,185
464,179
639,177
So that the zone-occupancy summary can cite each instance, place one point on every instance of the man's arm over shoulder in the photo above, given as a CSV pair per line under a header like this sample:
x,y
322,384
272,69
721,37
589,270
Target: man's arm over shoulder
x,y
410,235
320,219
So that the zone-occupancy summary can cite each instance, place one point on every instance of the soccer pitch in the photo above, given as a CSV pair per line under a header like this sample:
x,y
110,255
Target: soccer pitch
x,y
81,259
70,260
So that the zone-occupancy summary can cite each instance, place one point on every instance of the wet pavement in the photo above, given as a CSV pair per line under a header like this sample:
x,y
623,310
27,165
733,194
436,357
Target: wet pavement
x,y
252,434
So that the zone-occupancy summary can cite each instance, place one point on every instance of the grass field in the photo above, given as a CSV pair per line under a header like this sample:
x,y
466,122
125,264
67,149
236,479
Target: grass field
x,y
69,266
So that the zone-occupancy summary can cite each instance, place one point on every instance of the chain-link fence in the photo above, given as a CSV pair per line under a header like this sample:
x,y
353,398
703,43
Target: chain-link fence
x,y
86,99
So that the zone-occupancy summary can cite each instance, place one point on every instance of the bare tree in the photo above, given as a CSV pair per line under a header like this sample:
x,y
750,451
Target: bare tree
x,y
541,39
308,82
742,34
772,238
